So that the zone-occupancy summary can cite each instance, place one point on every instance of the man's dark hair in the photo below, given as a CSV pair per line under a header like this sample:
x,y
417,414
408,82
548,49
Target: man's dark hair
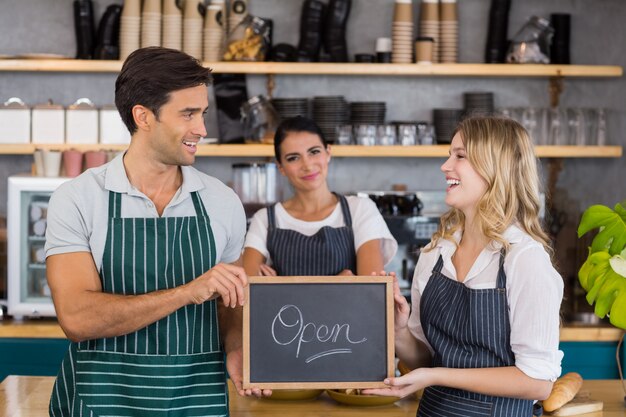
x,y
295,125
148,77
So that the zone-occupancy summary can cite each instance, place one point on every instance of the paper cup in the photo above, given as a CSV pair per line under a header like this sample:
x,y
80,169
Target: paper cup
x,y
51,163
72,163
38,157
94,159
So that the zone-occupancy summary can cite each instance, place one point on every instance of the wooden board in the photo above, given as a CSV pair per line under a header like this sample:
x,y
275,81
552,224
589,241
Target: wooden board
x,y
578,406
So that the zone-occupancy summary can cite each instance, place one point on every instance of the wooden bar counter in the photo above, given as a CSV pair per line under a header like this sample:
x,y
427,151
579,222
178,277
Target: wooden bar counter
x,y
49,328
28,396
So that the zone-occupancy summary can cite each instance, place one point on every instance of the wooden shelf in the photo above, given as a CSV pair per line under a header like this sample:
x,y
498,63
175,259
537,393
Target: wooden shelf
x,y
293,68
252,150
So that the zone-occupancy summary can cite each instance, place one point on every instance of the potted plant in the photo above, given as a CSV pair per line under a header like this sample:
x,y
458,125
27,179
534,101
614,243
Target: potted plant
x,y
603,275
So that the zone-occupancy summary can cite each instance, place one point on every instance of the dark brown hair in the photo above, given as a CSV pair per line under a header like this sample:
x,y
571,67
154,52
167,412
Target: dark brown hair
x,y
148,77
295,125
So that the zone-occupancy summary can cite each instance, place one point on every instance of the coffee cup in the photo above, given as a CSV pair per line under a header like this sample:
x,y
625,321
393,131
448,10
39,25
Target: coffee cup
x,y
403,11
72,162
51,163
424,47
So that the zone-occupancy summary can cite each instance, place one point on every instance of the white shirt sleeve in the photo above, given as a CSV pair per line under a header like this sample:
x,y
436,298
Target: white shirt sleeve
x,y
256,238
368,224
535,291
66,230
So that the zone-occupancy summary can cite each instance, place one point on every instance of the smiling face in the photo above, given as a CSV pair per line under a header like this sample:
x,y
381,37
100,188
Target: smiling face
x,y
465,186
179,126
304,160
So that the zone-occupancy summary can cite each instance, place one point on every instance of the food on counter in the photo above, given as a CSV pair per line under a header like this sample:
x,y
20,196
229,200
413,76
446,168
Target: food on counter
x,y
563,391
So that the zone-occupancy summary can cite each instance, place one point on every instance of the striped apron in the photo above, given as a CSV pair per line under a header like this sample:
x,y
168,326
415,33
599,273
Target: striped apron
x,y
173,367
327,252
467,328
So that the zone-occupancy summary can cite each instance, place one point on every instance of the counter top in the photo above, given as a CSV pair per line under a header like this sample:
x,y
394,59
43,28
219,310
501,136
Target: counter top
x,y
50,329
29,395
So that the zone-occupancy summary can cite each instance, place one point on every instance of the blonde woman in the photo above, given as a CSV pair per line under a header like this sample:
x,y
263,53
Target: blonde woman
x,y
483,331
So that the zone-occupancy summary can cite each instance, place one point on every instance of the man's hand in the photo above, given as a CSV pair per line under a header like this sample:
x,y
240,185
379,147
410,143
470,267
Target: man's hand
x,y
234,365
223,280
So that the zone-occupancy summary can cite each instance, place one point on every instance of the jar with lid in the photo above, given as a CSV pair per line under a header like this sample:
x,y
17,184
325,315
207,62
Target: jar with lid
x,y
256,182
259,119
81,121
48,123
14,121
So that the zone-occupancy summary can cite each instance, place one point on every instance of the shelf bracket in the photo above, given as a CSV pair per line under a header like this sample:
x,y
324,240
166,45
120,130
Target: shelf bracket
x,y
555,89
271,85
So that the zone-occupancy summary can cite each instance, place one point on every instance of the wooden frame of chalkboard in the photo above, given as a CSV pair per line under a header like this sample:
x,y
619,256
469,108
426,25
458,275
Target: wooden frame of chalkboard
x,y
318,332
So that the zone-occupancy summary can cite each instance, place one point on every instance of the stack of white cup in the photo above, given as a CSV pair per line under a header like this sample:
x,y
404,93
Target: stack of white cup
x,y
172,25
192,28
402,32
213,33
449,31
151,23
130,27
429,24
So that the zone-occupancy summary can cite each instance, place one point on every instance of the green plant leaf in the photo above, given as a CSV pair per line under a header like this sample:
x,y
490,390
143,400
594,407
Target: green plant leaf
x,y
603,275
612,224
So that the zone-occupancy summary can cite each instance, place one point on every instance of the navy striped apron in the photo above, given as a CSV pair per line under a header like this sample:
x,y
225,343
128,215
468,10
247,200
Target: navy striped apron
x,y
327,252
467,328
173,367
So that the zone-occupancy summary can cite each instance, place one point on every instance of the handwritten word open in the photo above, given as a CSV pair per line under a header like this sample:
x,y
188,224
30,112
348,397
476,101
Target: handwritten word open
x,y
309,332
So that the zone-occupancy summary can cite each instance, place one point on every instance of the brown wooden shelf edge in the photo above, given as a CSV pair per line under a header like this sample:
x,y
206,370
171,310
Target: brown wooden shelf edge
x,y
350,151
291,68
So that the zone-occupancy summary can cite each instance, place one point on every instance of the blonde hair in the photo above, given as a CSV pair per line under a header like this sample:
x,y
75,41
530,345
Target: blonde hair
x,y
501,152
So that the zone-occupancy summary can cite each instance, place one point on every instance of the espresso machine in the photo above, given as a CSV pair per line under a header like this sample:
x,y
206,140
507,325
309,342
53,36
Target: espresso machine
x,y
412,218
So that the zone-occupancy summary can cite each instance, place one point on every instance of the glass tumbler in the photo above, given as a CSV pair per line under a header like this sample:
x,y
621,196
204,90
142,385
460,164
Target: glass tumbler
x,y
407,135
386,135
365,135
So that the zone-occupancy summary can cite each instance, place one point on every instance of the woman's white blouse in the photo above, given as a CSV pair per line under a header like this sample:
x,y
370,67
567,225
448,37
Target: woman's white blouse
x,y
534,290
367,224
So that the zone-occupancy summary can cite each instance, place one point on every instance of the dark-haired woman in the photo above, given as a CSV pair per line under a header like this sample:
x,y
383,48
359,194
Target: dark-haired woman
x,y
316,232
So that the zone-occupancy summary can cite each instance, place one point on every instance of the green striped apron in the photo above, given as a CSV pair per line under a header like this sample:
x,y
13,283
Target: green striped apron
x,y
173,367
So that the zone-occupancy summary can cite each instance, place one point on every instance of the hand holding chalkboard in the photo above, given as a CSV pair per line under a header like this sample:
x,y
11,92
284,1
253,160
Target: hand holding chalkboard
x,y
318,332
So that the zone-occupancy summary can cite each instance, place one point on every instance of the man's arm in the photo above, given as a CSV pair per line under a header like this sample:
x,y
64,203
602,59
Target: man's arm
x,y
85,312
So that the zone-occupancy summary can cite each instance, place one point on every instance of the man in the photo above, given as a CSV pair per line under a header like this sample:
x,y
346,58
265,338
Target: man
x,y
138,252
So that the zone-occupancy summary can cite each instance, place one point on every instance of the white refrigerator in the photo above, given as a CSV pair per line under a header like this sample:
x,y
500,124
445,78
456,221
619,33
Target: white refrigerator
x,y
27,206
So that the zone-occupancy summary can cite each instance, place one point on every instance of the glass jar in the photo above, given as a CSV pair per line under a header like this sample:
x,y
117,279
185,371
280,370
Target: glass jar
x,y
259,119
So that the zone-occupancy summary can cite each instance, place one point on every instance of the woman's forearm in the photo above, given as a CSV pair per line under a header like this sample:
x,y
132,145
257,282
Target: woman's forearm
x,y
508,381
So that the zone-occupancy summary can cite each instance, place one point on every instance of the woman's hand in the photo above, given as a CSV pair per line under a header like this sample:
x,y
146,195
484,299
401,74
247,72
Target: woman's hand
x,y
401,307
407,384
345,273
267,271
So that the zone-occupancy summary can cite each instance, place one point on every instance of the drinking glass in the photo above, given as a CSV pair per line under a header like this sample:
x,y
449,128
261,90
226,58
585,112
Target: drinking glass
x,y
557,127
407,135
365,135
386,135
576,125
344,135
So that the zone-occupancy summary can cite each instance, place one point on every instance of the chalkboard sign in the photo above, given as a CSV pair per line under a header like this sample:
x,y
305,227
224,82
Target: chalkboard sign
x,y
318,332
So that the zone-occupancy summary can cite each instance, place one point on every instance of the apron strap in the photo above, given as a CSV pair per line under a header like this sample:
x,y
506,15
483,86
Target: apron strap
x,y
345,209
198,205
501,282
115,205
271,220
